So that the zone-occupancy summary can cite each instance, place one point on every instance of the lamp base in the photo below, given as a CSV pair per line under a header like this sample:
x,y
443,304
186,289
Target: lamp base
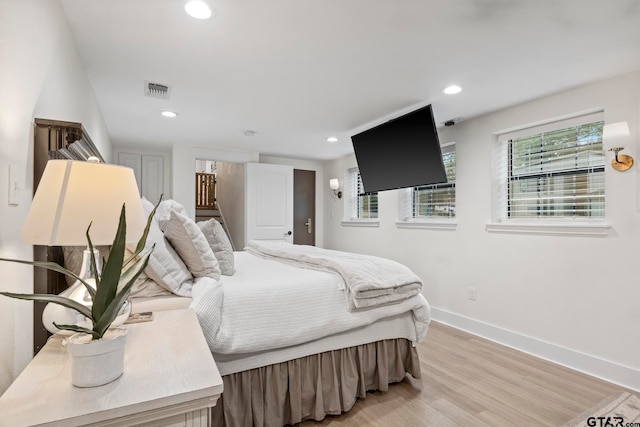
x,y
623,163
66,316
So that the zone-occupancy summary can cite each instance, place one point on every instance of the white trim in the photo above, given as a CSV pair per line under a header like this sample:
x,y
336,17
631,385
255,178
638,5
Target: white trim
x,y
550,229
428,225
360,223
504,133
600,368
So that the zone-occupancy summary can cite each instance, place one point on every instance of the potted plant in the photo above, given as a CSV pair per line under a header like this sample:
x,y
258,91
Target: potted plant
x,y
97,354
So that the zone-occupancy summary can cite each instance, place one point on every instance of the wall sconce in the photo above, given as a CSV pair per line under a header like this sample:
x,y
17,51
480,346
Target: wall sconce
x,y
615,136
334,184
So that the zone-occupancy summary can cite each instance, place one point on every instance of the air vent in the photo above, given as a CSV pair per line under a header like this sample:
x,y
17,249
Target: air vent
x,y
156,90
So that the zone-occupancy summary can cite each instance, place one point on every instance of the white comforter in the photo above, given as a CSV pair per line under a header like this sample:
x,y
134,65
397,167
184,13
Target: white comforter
x,y
369,280
267,305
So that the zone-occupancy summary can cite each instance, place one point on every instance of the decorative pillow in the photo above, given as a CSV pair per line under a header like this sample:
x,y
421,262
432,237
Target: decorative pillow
x,y
165,266
189,242
144,286
164,211
220,244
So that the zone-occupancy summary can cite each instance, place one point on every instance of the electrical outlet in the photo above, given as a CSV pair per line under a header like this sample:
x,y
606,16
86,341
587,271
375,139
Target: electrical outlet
x,y
473,293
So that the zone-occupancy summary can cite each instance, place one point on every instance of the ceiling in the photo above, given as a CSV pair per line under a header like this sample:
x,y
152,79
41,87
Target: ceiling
x,y
298,71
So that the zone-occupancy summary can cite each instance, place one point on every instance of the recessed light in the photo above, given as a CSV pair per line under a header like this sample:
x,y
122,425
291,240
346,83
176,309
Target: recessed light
x,y
332,139
169,114
249,132
198,9
452,90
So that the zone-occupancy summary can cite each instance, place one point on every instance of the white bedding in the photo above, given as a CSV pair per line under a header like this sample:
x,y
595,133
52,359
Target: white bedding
x,y
268,305
399,326
369,281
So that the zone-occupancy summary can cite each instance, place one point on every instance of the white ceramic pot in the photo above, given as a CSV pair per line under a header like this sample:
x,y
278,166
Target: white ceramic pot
x,y
97,362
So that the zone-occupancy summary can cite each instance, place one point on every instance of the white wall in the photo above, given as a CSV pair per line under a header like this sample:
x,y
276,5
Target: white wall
x,y
41,76
230,188
322,185
587,298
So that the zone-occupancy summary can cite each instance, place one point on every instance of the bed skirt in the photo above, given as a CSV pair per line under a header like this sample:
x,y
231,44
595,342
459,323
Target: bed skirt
x,y
312,387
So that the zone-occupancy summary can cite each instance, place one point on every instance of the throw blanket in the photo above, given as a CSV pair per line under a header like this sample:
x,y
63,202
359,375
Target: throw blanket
x,y
369,281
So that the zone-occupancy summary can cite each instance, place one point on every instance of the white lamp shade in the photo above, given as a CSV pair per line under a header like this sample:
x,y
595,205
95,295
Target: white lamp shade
x,y
615,135
334,184
72,194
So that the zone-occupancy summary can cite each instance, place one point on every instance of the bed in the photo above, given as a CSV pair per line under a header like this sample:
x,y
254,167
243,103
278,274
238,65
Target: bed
x,y
288,341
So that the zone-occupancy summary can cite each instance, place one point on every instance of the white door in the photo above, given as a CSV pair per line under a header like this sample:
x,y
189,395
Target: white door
x,y
133,161
269,202
149,172
152,177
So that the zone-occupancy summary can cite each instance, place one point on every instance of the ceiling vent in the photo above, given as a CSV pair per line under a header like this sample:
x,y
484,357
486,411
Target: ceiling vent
x,y
156,90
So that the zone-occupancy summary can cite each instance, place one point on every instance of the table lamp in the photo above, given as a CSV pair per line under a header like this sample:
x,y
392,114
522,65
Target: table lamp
x,y
71,195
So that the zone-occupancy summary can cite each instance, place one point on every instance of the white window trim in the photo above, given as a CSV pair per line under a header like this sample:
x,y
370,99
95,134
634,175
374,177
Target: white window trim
x,y
360,223
577,228
429,224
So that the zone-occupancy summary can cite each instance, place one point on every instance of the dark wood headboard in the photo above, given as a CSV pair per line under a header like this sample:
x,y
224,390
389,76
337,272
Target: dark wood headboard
x,y
52,139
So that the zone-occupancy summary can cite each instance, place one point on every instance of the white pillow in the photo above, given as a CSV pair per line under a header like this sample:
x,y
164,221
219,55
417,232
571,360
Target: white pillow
x,y
165,266
147,206
192,246
144,286
220,244
164,211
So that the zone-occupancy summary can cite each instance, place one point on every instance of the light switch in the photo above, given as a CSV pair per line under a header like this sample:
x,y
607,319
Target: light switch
x,y
14,186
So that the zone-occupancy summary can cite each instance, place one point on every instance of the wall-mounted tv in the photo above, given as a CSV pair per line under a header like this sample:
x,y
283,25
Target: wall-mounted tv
x,y
403,152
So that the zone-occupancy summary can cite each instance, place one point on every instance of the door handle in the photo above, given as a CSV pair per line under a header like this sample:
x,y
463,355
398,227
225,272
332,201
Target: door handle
x,y
288,233
308,224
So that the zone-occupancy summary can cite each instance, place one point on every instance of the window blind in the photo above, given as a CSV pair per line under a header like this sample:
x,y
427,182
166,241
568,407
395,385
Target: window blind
x,y
361,205
555,171
438,200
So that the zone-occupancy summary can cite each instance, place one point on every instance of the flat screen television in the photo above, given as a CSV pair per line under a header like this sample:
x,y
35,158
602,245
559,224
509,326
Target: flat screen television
x,y
403,152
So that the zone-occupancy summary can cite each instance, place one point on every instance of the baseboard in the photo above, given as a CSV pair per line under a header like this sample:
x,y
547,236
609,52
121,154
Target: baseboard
x,y
590,365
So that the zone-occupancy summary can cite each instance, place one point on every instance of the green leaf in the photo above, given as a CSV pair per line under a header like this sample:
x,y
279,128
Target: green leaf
x,y
53,267
76,328
143,239
56,299
136,268
112,270
101,325
94,265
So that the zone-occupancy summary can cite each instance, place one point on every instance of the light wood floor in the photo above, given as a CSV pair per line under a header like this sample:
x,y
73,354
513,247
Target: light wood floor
x,y
469,381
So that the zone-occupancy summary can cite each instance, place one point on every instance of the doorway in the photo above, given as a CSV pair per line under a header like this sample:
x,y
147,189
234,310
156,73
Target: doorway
x,y
304,207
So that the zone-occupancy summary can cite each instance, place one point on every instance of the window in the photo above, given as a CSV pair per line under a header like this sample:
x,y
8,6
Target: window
x,y
555,171
359,205
437,200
